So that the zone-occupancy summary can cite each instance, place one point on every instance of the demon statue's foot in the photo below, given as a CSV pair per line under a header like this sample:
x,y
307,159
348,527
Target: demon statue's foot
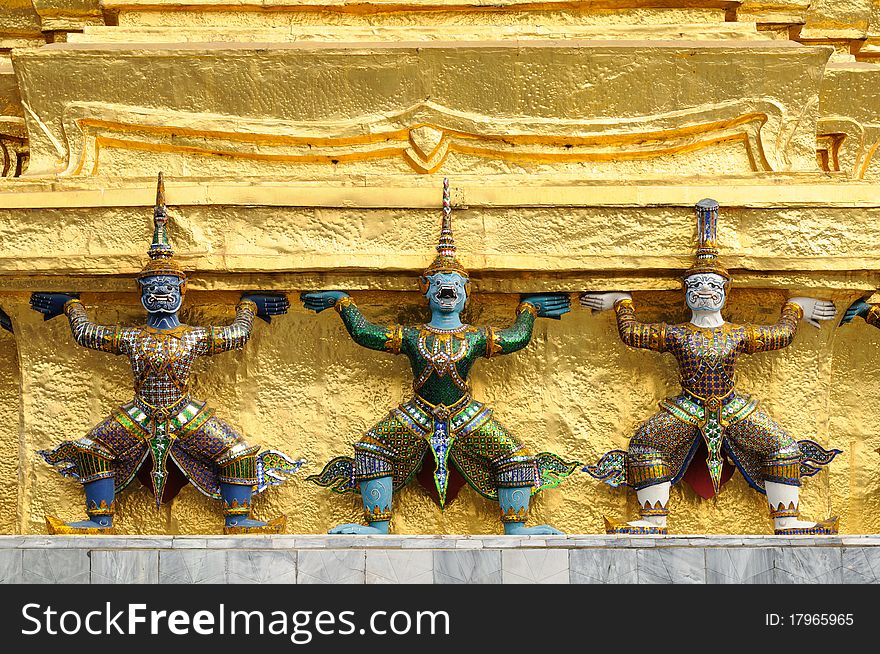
x,y
795,527
352,528
636,527
249,526
59,527
519,529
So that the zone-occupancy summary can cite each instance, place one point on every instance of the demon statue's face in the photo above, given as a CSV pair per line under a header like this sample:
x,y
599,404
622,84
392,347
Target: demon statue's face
x,y
161,293
447,292
705,292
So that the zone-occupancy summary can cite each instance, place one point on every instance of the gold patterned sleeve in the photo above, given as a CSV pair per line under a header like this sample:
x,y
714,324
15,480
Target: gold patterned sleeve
x,y
91,335
873,317
643,335
764,338
232,336
368,334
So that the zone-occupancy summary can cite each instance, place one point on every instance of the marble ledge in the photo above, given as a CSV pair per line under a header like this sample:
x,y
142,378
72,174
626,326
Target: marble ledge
x,y
427,542
321,559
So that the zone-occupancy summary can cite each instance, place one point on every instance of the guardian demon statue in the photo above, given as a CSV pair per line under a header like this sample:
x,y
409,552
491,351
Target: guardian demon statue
x,y
698,433
164,427
442,425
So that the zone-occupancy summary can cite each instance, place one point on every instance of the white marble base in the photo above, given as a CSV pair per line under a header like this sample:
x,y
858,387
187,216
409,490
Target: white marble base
x,y
322,559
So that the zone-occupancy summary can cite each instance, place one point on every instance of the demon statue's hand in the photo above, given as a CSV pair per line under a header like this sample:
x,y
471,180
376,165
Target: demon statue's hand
x,y
602,301
857,309
268,304
815,310
51,304
5,322
549,305
317,301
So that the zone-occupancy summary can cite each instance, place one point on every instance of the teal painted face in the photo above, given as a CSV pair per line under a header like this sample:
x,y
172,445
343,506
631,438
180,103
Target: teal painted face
x,y
447,293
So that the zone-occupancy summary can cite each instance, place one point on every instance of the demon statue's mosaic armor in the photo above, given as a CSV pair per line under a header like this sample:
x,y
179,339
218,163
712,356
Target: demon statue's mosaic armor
x,y
164,424
442,426
698,433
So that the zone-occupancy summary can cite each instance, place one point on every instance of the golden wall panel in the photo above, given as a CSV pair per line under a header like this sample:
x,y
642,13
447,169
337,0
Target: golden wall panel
x,y
773,13
841,20
10,433
598,109
263,13
64,15
302,385
850,130
825,242
412,33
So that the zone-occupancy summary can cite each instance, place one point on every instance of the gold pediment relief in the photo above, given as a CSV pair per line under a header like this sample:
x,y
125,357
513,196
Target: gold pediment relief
x,y
313,111
423,136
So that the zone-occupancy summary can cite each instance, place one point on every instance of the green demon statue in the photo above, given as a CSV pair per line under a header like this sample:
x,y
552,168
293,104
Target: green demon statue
x,y
442,425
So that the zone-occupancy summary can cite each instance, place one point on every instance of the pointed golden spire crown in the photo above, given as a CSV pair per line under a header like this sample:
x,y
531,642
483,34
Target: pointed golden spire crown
x,y
160,251
706,260
445,261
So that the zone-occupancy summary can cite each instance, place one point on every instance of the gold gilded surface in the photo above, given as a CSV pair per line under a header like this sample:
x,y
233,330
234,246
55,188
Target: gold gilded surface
x,y
10,428
850,131
61,16
304,142
501,236
261,13
303,386
538,107
412,33
774,12
837,20
18,18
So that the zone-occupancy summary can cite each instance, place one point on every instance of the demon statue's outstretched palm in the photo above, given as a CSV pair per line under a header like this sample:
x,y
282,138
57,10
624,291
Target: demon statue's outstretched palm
x,y
697,433
442,426
164,436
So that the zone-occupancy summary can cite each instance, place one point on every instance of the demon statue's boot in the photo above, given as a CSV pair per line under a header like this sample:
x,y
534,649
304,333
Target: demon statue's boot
x,y
711,428
442,424
164,436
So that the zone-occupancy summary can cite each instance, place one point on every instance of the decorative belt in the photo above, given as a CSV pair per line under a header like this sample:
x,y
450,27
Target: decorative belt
x,y
713,402
161,412
442,411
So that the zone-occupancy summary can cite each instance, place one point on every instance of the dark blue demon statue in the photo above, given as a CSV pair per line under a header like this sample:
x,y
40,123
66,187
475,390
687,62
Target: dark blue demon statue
x,y
164,436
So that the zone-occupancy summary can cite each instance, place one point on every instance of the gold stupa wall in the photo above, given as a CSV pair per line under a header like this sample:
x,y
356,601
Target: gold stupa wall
x,y
304,143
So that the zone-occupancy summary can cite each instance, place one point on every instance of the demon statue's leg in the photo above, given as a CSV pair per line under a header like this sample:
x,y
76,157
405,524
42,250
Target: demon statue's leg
x,y
767,452
783,501
376,495
237,476
653,506
99,507
237,505
514,504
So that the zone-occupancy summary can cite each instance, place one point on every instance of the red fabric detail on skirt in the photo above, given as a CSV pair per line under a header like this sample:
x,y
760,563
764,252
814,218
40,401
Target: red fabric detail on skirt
x,y
697,475
176,479
425,477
